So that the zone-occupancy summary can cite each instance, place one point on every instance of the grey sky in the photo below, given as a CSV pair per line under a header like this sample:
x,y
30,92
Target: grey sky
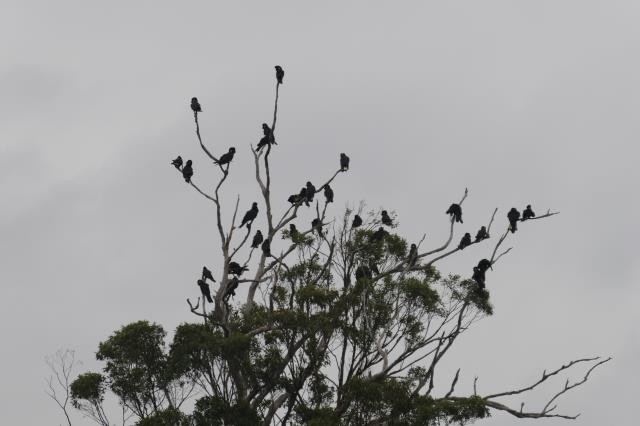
x,y
523,102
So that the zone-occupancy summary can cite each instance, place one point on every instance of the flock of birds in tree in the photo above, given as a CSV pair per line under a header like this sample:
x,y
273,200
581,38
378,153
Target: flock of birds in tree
x,y
306,196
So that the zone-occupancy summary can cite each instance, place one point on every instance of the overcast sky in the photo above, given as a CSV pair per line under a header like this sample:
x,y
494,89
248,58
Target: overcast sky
x,y
523,102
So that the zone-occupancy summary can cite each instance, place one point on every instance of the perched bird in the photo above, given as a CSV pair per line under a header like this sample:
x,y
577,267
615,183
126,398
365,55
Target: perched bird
x,y
293,232
482,234
344,162
357,221
279,73
379,234
257,239
206,292
455,211
513,216
528,213
177,163
302,196
413,255
328,193
363,272
250,215
294,199
479,277
484,264
373,267
465,241
195,105
231,288
310,191
268,138
187,171
386,220
266,248
206,274
316,225
236,269
226,158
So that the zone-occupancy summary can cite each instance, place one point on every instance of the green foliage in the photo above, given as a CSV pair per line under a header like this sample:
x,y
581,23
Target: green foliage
x,y
168,417
213,411
89,387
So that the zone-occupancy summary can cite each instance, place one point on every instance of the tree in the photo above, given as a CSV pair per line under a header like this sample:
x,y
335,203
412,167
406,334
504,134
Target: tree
x,y
338,324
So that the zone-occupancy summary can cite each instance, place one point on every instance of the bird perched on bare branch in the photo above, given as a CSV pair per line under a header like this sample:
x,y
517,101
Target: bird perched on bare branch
x,y
309,192
484,265
328,193
479,277
482,234
528,213
279,73
231,288
386,220
250,215
268,137
206,291
413,255
206,274
187,171
455,211
465,241
293,232
226,158
177,163
266,248
316,225
236,269
344,162
513,216
195,105
357,221
257,239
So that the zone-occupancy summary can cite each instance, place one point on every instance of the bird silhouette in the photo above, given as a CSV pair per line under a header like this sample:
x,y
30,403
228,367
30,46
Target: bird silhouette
x,y
528,213
206,291
455,211
328,193
279,73
465,241
226,158
379,234
357,221
236,269
293,231
206,274
250,215
344,162
316,225
231,288
177,163
257,239
386,220
187,171
513,216
266,248
267,138
195,105
309,192
413,255
482,234
479,277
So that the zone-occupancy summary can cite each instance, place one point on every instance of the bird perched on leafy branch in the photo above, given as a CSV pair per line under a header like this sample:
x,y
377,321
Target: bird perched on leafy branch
x,y
413,255
187,171
226,158
386,220
357,221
